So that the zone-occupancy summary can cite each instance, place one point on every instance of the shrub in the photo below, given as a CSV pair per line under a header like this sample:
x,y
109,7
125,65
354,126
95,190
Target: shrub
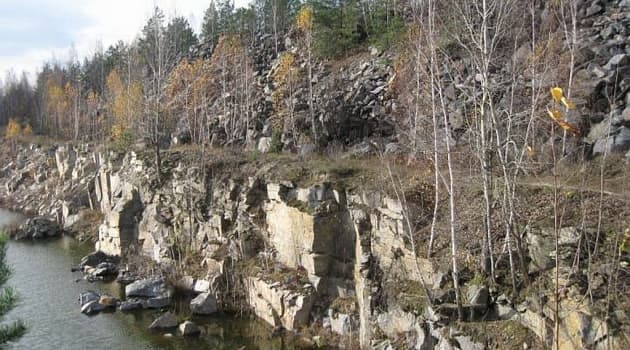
x,y
276,142
8,297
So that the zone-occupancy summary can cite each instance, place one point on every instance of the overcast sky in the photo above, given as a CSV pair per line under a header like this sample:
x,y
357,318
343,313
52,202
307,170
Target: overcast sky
x,y
33,31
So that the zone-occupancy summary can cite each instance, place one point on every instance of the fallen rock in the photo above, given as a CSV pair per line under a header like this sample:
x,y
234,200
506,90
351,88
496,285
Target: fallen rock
x,y
264,144
167,320
617,142
201,286
189,329
186,284
87,297
108,301
148,288
126,277
203,304
96,258
38,227
92,307
92,303
478,295
130,305
158,302
594,9
105,269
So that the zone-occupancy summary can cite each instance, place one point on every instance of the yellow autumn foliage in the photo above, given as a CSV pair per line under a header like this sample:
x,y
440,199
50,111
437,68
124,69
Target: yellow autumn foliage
x,y
125,102
557,96
555,114
284,78
13,129
27,131
304,19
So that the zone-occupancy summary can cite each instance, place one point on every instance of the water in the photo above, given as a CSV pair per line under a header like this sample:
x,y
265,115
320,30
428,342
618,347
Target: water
x,y
48,304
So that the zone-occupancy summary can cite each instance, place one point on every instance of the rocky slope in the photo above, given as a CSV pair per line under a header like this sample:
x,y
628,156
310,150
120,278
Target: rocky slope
x,y
312,247
298,254
358,105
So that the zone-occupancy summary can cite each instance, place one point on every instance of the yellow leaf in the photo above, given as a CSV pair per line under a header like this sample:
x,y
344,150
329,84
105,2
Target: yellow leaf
x,y
531,151
567,103
557,94
568,127
555,114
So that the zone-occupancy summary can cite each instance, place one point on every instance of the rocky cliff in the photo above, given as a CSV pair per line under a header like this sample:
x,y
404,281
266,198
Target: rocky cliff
x,y
329,245
299,253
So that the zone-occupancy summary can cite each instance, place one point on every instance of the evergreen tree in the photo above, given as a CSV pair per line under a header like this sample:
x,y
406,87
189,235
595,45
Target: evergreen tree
x,y
338,26
210,26
180,36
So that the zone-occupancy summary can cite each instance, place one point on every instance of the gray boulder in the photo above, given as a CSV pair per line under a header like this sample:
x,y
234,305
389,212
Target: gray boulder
x,y
186,284
92,307
148,288
165,321
189,329
38,227
130,305
203,304
87,297
105,269
617,142
594,9
617,61
201,286
108,301
96,258
478,295
158,302
264,144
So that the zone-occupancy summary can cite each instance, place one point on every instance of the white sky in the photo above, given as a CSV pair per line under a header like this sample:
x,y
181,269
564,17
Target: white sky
x,y
34,31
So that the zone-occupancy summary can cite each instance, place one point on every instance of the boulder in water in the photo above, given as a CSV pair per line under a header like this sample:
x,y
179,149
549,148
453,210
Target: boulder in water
x,y
130,305
96,258
158,302
108,301
167,320
189,329
105,269
92,307
148,288
38,227
203,304
87,297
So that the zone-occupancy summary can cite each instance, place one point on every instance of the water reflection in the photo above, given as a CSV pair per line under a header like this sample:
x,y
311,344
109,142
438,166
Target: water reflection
x,y
48,304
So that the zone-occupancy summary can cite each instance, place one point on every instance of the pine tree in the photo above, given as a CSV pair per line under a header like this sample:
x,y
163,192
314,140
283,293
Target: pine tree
x,y
180,36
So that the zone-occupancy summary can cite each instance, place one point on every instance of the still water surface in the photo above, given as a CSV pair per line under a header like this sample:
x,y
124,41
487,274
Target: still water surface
x,y
48,304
